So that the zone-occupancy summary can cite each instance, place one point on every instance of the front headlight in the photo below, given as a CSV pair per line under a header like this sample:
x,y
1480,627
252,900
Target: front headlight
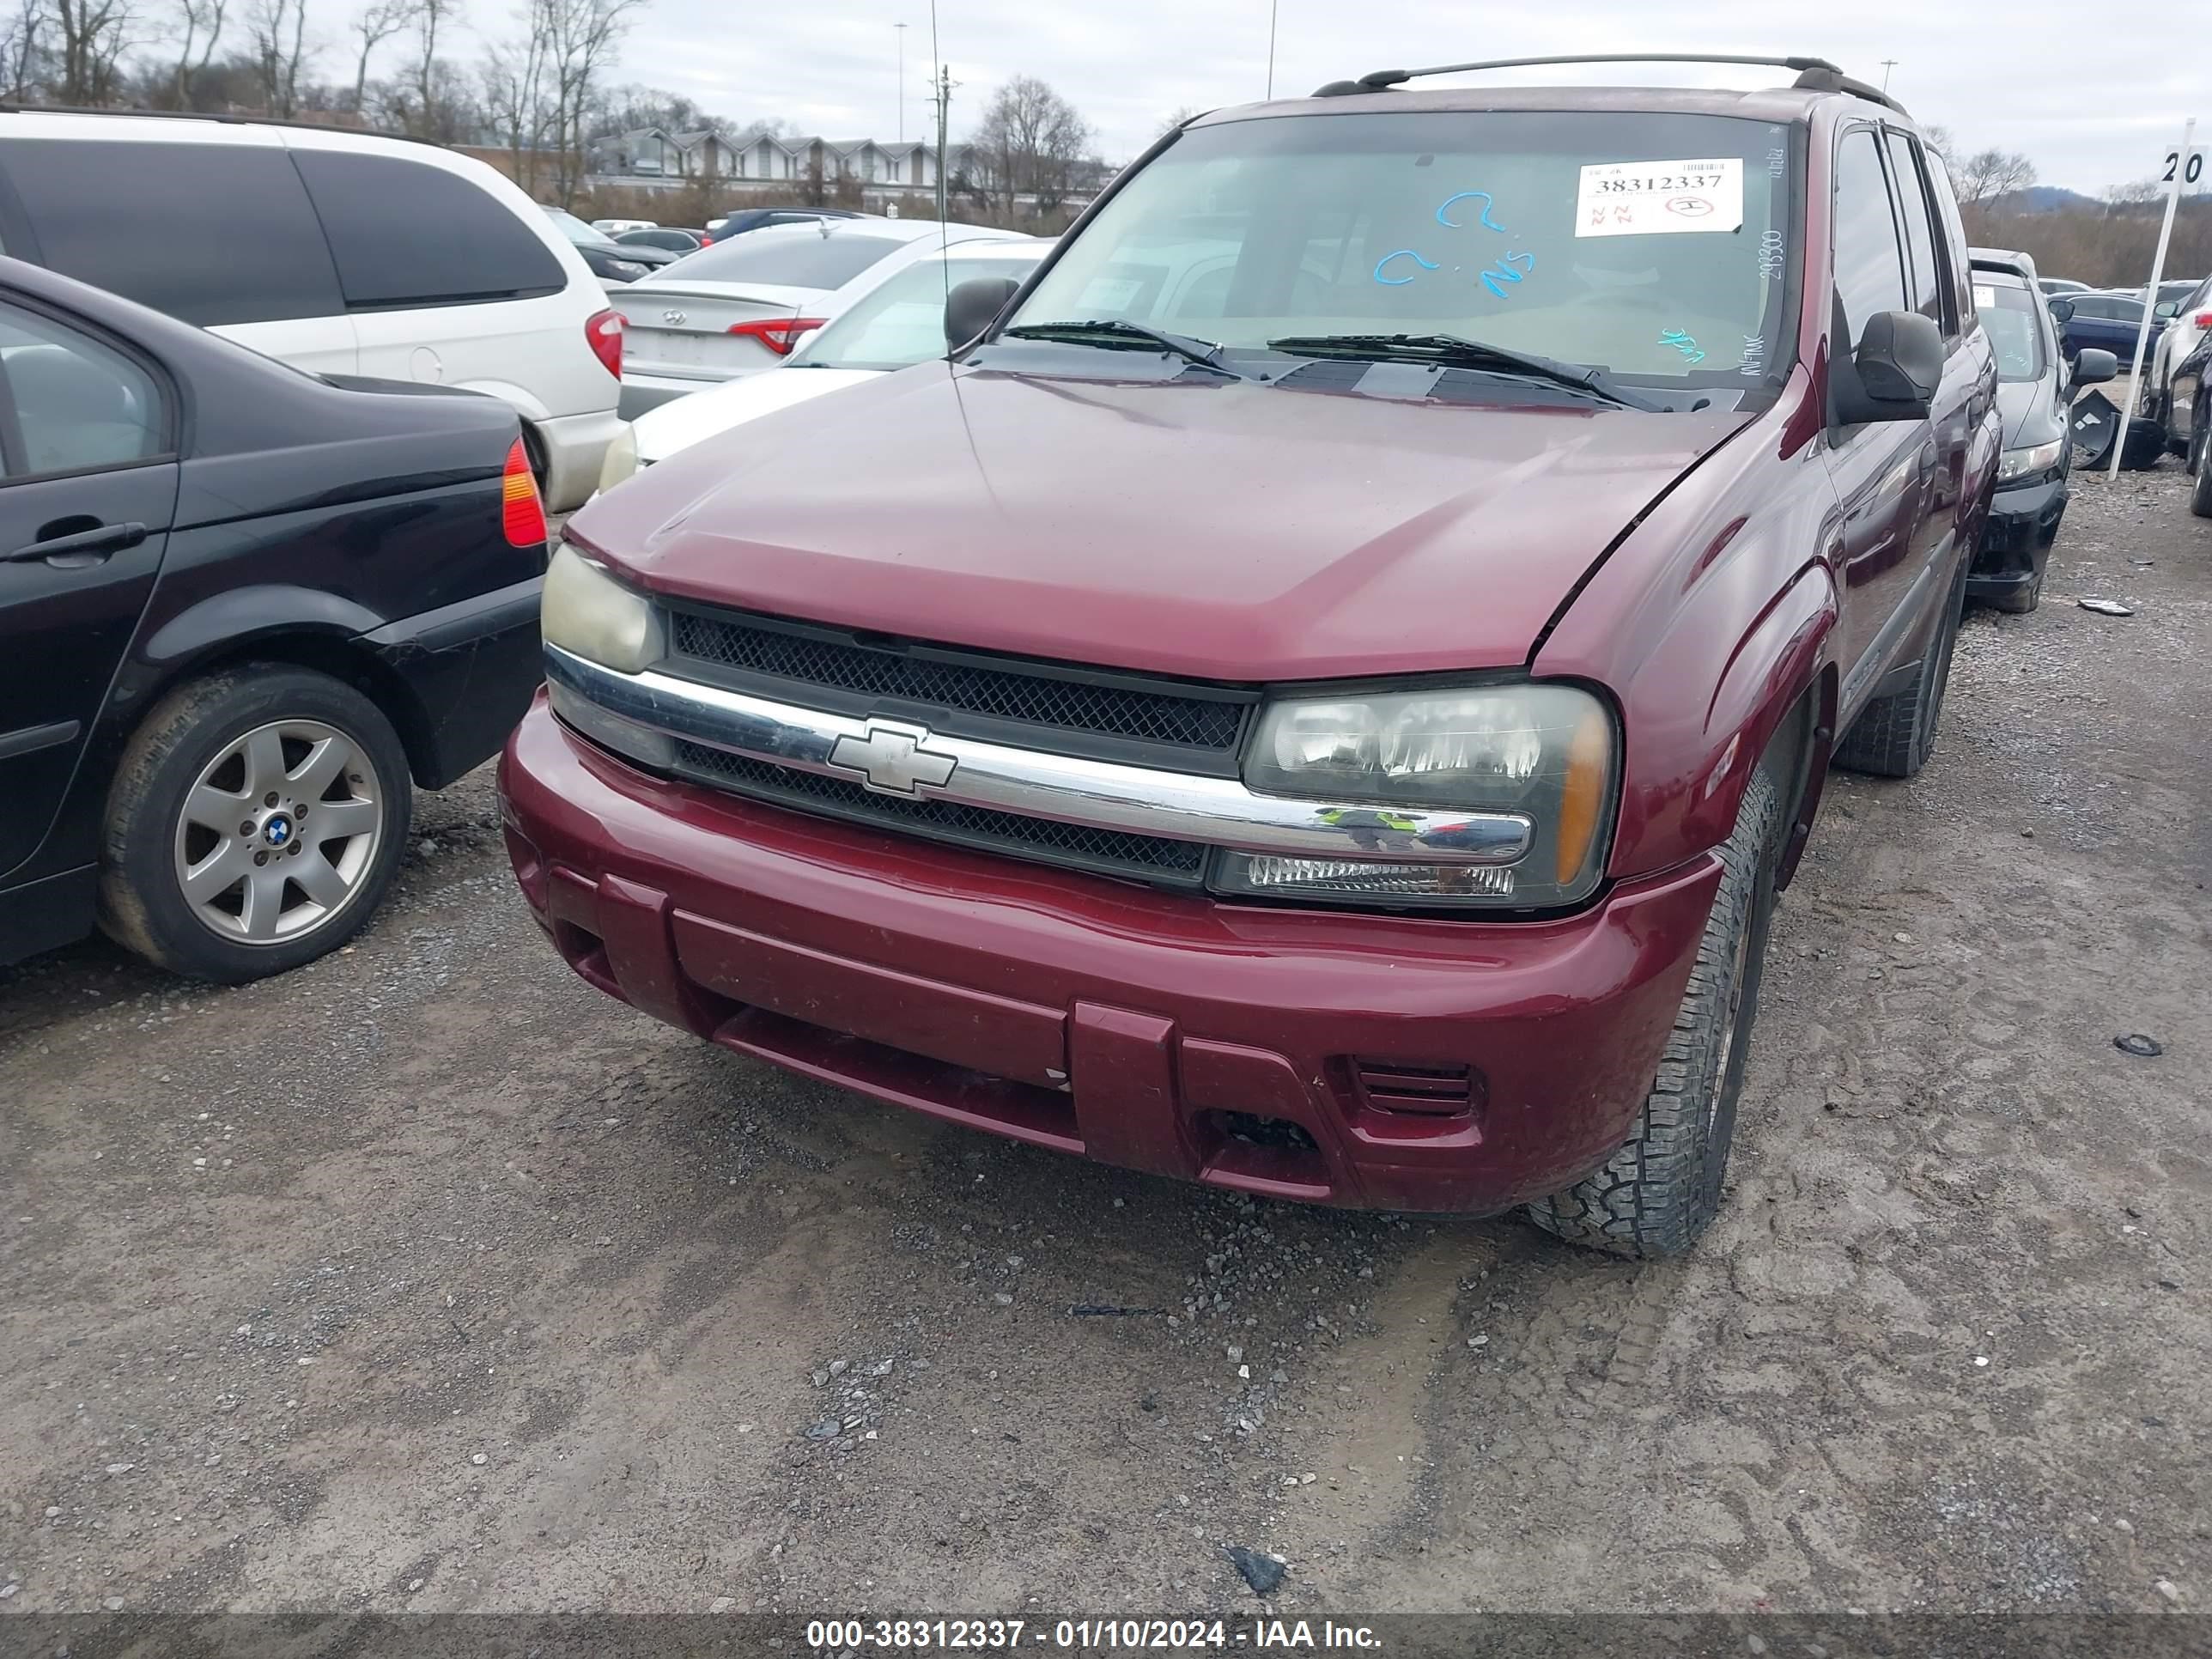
x,y
587,611
620,460
1543,752
2026,463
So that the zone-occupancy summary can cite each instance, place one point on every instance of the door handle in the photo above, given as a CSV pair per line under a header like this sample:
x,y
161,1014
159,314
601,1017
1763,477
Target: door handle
x,y
91,545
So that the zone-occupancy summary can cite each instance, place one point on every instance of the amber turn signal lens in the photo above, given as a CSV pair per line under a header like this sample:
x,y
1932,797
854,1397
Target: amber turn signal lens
x,y
1582,795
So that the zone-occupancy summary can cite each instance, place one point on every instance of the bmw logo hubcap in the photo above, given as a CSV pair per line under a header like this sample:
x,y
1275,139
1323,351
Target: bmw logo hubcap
x,y
277,831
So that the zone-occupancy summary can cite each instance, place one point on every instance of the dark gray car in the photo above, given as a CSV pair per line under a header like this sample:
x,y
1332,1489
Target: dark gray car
x,y
2035,389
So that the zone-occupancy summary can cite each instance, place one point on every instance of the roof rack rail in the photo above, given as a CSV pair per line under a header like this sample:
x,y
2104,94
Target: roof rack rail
x,y
223,118
1813,74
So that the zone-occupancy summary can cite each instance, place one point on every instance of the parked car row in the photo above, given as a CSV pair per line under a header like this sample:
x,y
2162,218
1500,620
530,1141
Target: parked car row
x,y
744,305
334,251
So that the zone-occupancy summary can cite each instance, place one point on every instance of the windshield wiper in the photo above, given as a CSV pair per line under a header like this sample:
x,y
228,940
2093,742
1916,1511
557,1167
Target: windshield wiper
x,y
1115,333
1450,350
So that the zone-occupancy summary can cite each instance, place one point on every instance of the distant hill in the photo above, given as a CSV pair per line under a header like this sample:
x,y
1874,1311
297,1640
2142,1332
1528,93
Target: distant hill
x,y
2045,198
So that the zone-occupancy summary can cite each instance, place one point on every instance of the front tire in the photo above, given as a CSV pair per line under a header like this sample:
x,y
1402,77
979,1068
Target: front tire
x,y
1657,1194
253,825
2200,463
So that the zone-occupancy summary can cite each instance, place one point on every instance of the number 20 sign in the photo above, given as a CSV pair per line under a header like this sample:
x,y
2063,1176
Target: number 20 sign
x,y
2189,175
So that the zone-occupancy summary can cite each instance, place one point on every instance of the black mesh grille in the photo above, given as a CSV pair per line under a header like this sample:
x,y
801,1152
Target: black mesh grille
x,y
1195,723
1151,856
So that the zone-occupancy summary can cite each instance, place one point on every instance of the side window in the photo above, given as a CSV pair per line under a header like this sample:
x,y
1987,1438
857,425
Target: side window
x,y
1954,233
1919,230
407,233
209,233
1868,265
68,403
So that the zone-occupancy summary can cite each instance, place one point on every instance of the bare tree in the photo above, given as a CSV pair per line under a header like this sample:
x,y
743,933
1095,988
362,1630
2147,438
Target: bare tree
x,y
1939,141
1031,142
93,36
22,54
277,32
429,17
377,23
582,38
513,85
2137,192
1987,174
1187,113
199,25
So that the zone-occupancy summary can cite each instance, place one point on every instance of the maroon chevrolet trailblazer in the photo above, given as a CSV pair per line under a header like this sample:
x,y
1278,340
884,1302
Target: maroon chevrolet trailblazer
x,y
1317,692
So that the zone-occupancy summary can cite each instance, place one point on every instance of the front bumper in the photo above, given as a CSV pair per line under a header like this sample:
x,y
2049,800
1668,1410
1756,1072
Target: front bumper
x,y
469,669
1142,1028
2022,523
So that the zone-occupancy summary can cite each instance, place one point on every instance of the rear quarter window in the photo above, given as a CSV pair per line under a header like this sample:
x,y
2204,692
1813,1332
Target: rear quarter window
x,y
407,233
789,259
210,234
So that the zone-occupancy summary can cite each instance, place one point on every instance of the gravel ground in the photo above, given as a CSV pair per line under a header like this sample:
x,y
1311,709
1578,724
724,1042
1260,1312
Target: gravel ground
x,y
427,1278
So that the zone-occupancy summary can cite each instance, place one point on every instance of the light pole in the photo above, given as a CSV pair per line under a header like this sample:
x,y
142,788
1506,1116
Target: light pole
x,y
1271,6
1888,64
901,27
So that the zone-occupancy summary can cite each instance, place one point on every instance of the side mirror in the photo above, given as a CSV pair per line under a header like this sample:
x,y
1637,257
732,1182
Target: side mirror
x,y
803,340
2166,308
1898,363
2061,311
974,305
2093,364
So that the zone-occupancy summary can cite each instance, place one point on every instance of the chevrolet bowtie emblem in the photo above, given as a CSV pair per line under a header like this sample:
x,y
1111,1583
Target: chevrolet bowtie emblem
x,y
893,760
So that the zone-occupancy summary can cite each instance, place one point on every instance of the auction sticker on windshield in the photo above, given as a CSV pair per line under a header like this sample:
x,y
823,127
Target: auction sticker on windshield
x,y
1656,198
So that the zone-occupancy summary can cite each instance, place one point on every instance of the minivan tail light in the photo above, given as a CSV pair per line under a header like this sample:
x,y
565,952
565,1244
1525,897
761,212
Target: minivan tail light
x,y
778,334
605,333
2202,319
521,514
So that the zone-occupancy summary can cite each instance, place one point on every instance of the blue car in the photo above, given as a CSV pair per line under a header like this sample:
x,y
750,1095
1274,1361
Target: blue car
x,y
2106,317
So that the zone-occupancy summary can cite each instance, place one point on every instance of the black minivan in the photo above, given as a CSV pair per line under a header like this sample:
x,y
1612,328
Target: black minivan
x,y
243,611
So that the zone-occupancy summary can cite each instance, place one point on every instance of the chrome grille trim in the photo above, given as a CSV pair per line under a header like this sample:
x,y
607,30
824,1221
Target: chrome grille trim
x,y
1215,811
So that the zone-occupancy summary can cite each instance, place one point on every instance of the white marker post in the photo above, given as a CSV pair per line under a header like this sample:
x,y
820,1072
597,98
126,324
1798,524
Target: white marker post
x,y
2150,294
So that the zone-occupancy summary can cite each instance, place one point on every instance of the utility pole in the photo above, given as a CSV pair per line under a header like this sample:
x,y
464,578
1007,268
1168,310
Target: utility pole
x,y
901,27
1272,6
1888,64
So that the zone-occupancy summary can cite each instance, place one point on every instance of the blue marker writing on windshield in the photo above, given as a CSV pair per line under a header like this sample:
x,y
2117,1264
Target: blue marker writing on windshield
x,y
1402,254
1444,213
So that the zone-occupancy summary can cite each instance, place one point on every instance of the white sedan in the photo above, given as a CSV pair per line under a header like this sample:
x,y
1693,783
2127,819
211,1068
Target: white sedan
x,y
739,307
897,322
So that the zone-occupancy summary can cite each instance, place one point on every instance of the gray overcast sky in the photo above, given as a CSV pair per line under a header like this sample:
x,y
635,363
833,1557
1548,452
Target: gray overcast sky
x,y
2093,97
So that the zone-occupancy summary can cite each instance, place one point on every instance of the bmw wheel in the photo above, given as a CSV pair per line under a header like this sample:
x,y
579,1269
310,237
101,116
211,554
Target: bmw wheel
x,y
254,823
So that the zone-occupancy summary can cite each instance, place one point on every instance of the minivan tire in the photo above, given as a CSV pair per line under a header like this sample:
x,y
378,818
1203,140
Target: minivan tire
x,y
1656,1194
2200,463
1895,735
203,733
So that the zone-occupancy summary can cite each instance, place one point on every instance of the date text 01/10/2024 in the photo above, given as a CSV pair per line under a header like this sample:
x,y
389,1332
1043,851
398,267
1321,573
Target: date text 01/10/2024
x,y
1090,1635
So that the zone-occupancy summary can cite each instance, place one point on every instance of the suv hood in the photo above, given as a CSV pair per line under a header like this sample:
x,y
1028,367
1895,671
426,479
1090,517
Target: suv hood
x,y
1219,530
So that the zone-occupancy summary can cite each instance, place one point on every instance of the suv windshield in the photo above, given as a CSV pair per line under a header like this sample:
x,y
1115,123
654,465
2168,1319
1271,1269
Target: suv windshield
x,y
900,323
2009,313
1656,246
